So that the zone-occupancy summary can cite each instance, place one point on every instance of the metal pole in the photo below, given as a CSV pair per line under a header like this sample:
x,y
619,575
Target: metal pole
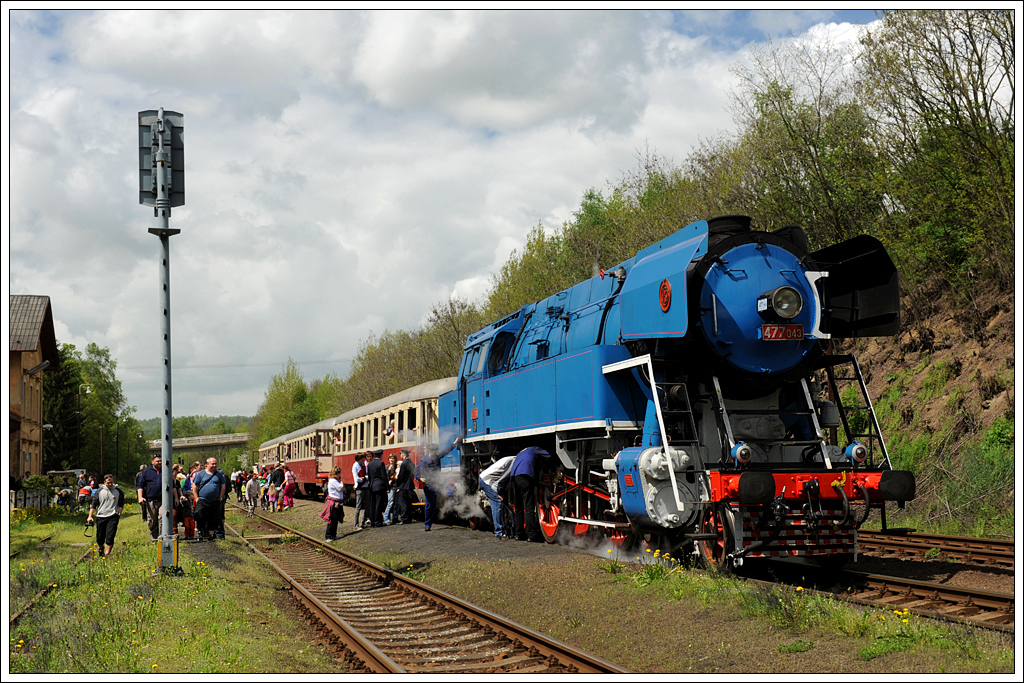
x,y
79,437
166,552
164,232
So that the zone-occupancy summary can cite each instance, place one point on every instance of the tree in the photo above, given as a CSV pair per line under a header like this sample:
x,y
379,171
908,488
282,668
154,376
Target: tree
x,y
101,409
439,345
280,409
60,406
185,426
940,85
219,427
807,142
528,275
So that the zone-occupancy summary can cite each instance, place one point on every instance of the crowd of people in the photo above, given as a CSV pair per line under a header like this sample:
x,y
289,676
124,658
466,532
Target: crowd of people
x,y
384,494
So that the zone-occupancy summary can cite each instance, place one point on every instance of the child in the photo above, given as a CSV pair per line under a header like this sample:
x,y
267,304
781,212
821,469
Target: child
x,y
264,503
252,494
272,497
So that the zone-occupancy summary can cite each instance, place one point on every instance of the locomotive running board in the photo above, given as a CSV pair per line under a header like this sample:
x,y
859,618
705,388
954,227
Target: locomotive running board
x,y
645,361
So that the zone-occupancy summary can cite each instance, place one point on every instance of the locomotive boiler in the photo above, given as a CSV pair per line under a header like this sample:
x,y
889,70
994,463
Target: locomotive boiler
x,y
690,396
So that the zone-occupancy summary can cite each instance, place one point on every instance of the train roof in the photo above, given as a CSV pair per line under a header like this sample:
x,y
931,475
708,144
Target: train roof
x,y
431,389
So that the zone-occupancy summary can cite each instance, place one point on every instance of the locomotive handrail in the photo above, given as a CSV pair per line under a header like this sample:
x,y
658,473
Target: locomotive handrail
x,y
817,425
641,361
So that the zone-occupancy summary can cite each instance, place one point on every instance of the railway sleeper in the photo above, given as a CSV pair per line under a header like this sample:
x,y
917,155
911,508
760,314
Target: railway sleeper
x,y
404,651
486,663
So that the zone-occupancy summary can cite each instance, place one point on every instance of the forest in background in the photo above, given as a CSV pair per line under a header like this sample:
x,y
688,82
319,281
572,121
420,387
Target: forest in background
x,y
907,135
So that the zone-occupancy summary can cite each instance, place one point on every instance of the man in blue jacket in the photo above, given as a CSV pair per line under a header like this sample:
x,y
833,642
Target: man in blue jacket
x,y
428,474
150,490
524,472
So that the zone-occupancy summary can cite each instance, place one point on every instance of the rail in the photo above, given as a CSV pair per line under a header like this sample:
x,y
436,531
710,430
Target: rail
x,y
413,628
981,551
974,606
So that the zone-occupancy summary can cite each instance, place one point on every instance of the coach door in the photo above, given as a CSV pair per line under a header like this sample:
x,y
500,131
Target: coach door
x,y
323,448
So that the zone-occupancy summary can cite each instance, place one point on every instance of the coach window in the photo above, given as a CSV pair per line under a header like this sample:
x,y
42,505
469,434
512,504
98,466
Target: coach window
x,y
411,423
473,359
499,350
483,357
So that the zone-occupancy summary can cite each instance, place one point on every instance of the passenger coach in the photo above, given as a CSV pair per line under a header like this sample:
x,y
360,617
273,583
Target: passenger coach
x,y
407,419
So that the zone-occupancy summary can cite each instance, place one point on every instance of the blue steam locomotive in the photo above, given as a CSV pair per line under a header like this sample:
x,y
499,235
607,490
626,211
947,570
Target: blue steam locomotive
x,y
691,397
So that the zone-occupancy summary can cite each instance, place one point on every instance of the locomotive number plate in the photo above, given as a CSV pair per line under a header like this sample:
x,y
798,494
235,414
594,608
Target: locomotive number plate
x,y
782,332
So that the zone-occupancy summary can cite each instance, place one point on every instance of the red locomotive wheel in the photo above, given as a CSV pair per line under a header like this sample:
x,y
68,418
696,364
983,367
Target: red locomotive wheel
x,y
549,521
714,552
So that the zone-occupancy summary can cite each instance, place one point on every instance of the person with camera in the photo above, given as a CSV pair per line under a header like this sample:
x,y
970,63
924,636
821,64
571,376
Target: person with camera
x,y
105,512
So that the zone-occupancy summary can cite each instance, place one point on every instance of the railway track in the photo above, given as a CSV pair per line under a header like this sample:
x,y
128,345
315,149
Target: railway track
x,y
46,589
980,551
389,623
35,545
985,609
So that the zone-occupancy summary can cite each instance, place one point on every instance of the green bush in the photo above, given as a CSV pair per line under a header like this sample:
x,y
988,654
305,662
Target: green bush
x,y
38,481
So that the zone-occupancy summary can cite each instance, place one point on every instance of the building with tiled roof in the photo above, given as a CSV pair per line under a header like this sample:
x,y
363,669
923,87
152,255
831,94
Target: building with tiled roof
x,y
33,349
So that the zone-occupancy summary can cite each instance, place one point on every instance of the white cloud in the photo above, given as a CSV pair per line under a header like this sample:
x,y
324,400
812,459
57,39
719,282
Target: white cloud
x,y
344,171
506,70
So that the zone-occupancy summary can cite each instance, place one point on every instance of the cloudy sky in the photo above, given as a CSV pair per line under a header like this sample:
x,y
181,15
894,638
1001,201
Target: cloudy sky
x,y
344,171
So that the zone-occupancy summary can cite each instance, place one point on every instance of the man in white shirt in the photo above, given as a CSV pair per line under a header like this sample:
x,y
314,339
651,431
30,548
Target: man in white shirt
x,y
360,482
490,481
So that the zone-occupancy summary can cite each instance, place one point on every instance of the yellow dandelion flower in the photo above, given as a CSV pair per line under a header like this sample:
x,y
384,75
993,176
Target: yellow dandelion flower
x,y
799,588
906,621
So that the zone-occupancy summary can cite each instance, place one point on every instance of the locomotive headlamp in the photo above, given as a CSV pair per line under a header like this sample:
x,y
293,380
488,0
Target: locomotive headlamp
x,y
783,302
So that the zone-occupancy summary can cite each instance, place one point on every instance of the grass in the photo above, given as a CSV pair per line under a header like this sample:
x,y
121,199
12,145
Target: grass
x,y
113,616
647,586
649,614
964,474
796,646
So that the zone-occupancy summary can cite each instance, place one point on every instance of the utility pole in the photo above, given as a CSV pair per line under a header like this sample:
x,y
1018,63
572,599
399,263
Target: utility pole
x,y
162,185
